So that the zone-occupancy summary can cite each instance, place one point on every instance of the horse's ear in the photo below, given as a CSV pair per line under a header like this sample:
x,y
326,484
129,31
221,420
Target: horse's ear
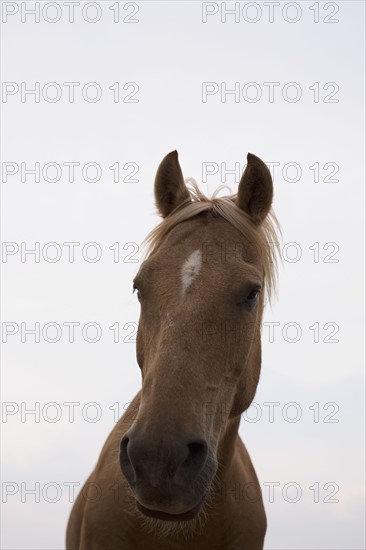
x,y
255,191
170,189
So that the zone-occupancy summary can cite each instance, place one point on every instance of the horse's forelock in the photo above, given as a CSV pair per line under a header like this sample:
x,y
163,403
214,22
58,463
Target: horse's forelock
x,y
263,237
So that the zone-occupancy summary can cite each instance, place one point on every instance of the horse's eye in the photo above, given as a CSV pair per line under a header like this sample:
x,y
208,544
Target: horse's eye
x,y
251,298
252,295
138,294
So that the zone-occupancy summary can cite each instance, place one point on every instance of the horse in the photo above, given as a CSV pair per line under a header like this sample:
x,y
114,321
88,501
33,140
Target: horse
x,y
174,473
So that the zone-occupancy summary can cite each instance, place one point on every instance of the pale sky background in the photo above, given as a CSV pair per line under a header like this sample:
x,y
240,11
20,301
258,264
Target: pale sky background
x,y
169,53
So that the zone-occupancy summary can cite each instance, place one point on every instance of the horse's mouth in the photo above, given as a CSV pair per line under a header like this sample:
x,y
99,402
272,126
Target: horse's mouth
x,y
165,516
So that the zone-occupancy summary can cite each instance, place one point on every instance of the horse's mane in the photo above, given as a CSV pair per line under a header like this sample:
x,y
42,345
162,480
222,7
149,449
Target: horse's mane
x,y
264,237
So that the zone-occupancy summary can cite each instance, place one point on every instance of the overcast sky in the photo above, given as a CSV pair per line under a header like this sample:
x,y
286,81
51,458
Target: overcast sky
x,y
121,88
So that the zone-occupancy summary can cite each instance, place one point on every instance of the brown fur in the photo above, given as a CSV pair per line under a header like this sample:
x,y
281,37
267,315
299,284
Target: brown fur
x,y
199,354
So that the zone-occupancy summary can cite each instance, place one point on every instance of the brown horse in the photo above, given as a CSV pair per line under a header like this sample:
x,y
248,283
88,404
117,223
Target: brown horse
x,y
188,481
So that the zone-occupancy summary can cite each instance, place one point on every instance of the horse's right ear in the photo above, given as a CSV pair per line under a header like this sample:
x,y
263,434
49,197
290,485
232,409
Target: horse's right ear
x,y
255,191
170,189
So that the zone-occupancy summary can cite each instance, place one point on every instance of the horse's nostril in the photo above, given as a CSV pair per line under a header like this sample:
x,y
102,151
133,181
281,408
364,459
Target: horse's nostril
x,y
125,462
196,459
123,449
197,449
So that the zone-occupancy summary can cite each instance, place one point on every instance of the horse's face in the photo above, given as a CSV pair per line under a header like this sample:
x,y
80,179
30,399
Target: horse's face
x,y
198,347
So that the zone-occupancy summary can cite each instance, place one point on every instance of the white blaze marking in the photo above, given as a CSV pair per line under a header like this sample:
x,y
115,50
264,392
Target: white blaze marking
x,y
191,268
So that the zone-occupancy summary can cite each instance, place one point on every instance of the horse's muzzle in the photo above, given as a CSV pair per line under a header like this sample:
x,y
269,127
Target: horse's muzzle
x,y
168,477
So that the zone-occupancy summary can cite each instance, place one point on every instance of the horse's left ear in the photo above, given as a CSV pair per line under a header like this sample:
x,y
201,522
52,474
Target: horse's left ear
x,y
255,191
170,189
